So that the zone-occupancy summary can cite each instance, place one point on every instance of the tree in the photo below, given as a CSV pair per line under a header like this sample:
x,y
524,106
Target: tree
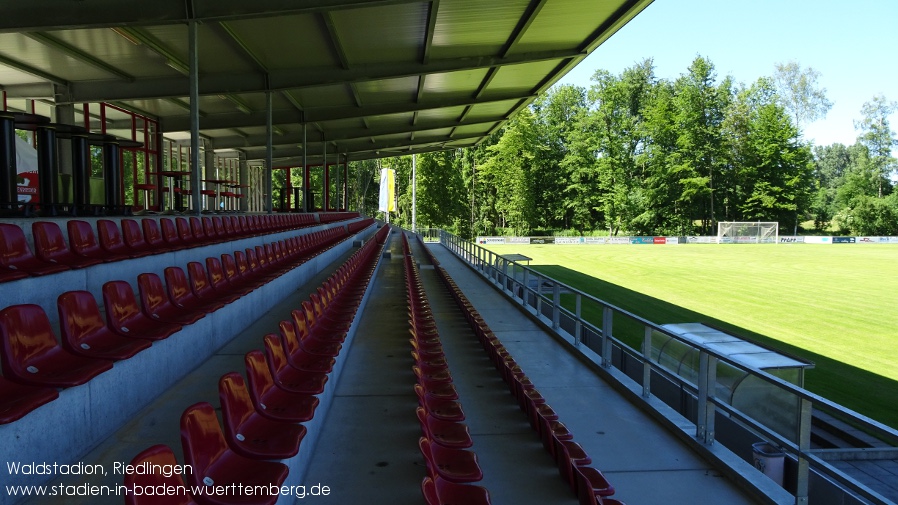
x,y
878,137
799,93
509,168
701,155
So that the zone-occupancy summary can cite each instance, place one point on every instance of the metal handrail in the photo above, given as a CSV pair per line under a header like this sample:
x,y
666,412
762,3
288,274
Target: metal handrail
x,y
495,268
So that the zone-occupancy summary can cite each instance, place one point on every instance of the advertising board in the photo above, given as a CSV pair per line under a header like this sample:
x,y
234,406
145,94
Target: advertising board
x,y
844,240
490,240
642,240
568,240
542,240
818,240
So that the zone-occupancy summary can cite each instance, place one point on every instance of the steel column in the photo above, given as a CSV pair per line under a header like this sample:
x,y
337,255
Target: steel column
x,y
194,64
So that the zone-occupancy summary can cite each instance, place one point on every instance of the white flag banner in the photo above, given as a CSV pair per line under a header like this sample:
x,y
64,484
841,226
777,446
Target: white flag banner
x,y
387,202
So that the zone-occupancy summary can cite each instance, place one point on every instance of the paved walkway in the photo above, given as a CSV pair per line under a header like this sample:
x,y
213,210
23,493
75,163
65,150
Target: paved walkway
x,y
645,463
368,450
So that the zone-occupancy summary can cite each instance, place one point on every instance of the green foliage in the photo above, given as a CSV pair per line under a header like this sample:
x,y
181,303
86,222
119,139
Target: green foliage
x,y
639,155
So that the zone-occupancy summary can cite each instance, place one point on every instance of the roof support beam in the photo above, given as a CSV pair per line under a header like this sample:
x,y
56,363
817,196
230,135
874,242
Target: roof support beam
x,y
78,54
291,152
28,69
222,84
66,14
248,141
284,116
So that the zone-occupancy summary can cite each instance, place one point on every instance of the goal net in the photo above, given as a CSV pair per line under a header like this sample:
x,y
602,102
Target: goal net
x,y
744,232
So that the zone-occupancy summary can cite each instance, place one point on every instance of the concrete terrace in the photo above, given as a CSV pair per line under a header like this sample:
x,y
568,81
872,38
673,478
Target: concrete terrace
x,y
362,443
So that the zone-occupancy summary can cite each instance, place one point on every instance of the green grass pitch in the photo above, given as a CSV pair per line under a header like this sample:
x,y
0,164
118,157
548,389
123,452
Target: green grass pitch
x,y
836,305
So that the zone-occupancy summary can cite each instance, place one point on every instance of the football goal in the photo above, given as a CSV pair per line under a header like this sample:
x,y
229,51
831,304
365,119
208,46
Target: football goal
x,y
747,232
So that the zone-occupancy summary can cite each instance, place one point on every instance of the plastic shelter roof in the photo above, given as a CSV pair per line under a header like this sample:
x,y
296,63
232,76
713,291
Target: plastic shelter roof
x,y
370,78
735,348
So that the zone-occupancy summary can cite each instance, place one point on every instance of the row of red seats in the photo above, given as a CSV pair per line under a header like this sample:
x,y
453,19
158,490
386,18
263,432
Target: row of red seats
x,y
587,483
53,254
357,226
34,362
261,416
330,217
445,438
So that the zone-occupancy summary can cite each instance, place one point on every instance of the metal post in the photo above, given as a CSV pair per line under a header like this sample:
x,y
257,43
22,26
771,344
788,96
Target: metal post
x,y
707,378
556,306
194,64
112,175
414,192
578,323
269,156
539,295
8,175
607,314
47,169
325,193
81,171
505,286
305,170
804,447
525,285
647,362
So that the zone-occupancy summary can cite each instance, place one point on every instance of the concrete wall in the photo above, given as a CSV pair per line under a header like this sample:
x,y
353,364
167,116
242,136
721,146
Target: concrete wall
x,y
65,429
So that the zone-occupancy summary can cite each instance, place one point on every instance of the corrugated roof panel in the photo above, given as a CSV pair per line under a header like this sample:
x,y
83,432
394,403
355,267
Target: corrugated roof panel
x,y
390,33
476,129
324,96
122,53
37,55
444,114
402,89
158,108
386,120
489,111
453,84
522,78
287,42
466,28
565,24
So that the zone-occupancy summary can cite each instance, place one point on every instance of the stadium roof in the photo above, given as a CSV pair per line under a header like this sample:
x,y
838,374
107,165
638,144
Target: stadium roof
x,y
370,78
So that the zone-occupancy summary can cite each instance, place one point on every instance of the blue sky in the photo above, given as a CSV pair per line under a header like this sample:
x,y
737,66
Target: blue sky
x,y
852,43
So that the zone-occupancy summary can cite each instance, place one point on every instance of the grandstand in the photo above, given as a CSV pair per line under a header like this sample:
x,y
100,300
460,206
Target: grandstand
x,y
167,323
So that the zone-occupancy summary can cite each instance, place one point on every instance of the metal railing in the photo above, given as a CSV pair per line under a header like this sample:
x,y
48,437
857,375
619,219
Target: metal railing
x,y
542,297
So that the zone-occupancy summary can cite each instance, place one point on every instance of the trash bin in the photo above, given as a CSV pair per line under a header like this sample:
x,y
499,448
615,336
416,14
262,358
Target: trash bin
x,y
769,460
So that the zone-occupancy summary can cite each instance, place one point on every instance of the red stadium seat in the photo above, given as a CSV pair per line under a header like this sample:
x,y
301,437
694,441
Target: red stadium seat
x,y
31,354
112,242
126,318
85,333
50,246
214,464
202,288
289,378
272,401
445,433
16,255
298,356
162,456
181,296
247,432
83,242
453,465
439,491
17,400
158,306
134,238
